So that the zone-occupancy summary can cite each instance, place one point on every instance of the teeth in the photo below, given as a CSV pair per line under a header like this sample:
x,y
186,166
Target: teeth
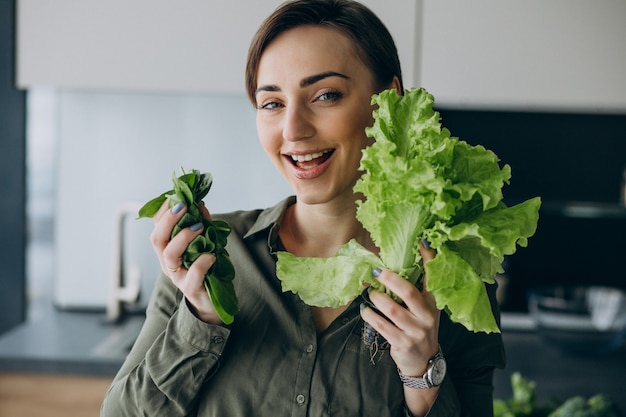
x,y
307,157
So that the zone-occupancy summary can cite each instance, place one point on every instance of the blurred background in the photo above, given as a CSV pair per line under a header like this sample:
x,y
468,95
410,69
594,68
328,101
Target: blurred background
x,y
101,102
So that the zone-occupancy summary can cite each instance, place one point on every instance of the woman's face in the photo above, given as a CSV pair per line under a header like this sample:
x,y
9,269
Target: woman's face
x,y
313,98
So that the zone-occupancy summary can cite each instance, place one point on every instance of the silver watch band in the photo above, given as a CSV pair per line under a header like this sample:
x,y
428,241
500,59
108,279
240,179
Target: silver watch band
x,y
414,382
424,381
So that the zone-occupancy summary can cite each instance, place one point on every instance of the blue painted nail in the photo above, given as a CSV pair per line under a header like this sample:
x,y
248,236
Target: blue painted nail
x,y
362,306
376,272
178,207
196,227
426,243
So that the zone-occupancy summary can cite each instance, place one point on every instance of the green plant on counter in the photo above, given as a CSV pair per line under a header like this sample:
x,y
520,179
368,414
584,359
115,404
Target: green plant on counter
x,y
597,406
523,404
190,188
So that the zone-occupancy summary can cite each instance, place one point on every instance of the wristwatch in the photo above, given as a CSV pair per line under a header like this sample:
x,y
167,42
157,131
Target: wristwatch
x,y
433,376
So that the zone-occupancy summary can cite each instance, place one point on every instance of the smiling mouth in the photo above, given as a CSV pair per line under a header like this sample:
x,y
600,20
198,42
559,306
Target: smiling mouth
x,y
310,160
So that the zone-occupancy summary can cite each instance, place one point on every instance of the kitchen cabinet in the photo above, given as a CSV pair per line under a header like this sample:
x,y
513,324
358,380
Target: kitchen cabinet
x,y
562,54
12,170
565,54
158,45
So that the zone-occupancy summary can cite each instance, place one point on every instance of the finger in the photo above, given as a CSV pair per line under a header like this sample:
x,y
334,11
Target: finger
x,y
404,334
428,254
191,283
172,254
375,319
162,210
412,330
419,304
426,251
398,285
164,222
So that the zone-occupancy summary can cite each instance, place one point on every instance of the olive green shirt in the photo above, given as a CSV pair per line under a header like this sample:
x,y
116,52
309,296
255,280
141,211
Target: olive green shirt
x,y
272,362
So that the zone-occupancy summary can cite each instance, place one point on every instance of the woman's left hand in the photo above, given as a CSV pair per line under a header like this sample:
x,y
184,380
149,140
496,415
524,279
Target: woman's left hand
x,y
412,330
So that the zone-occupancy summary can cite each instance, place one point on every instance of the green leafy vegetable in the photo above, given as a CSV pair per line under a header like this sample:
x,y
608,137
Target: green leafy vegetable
x,y
421,183
190,188
523,404
599,405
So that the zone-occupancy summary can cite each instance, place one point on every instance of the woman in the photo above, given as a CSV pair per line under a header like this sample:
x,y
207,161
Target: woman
x,y
312,69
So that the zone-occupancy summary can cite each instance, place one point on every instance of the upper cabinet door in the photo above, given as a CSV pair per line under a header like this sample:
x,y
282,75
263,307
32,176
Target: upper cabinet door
x,y
558,54
187,46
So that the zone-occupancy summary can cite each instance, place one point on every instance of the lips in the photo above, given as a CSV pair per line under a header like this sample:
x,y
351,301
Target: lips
x,y
310,165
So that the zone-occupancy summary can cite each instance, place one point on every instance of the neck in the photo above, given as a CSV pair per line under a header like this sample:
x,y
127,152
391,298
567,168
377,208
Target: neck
x,y
319,230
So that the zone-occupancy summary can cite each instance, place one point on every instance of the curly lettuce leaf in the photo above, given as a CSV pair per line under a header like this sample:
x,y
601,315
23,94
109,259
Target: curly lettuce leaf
x,y
419,183
341,277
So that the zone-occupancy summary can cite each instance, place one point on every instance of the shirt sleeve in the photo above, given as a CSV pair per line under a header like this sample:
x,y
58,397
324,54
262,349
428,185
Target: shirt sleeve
x,y
446,404
173,356
472,359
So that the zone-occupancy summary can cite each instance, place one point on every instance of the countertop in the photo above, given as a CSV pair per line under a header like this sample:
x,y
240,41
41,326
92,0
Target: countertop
x,y
559,374
83,343
68,342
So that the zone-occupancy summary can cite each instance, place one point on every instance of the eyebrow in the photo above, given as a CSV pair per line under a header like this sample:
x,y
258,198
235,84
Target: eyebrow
x,y
305,82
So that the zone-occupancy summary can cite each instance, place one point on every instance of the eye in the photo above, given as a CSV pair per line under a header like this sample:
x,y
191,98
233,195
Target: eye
x,y
330,96
270,105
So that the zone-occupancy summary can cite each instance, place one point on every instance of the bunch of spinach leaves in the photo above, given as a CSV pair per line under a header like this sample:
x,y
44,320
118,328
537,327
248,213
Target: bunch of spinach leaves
x,y
190,188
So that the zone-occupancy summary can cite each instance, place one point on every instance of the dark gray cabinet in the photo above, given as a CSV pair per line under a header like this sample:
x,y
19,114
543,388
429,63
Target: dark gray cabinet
x,y
12,178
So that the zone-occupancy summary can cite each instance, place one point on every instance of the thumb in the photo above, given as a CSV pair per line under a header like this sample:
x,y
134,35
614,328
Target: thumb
x,y
428,254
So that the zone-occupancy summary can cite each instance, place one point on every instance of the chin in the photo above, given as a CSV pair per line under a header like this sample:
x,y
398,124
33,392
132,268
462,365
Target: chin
x,y
323,195
309,199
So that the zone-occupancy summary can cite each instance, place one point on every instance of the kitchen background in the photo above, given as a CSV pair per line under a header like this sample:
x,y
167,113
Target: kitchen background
x,y
117,103
121,94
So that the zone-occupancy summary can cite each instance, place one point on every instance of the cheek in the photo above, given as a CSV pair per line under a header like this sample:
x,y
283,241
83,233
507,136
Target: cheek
x,y
265,137
365,120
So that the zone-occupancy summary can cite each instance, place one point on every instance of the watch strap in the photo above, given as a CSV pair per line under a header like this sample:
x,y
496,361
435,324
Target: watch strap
x,y
415,382
424,381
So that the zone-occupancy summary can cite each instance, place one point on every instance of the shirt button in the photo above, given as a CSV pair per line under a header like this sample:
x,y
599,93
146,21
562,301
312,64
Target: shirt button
x,y
309,349
300,399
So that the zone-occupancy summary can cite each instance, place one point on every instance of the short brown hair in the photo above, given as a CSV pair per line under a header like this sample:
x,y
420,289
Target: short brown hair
x,y
374,44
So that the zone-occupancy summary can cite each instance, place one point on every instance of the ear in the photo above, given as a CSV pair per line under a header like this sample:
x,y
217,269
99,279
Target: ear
x,y
395,84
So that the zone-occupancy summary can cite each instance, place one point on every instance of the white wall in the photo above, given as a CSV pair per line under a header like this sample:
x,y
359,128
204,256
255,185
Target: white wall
x,y
119,148
183,46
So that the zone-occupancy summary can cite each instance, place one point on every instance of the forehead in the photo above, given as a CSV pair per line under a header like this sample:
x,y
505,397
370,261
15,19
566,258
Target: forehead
x,y
309,49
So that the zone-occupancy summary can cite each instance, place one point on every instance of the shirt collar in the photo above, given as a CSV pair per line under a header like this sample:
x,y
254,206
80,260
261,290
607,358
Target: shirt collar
x,y
271,217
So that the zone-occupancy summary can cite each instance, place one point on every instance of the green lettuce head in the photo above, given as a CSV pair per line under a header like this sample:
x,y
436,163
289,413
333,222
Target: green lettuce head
x,y
420,183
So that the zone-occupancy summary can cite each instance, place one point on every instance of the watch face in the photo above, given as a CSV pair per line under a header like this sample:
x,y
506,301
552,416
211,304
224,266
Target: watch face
x,y
437,372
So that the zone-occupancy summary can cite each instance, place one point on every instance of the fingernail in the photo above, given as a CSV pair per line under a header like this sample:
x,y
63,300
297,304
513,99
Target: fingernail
x,y
426,243
362,307
178,207
376,272
196,227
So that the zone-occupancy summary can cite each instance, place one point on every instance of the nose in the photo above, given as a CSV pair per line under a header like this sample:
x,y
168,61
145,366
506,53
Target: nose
x,y
297,124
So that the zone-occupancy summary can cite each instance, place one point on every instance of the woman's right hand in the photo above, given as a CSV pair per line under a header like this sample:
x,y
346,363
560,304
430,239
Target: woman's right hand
x,y
170,252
